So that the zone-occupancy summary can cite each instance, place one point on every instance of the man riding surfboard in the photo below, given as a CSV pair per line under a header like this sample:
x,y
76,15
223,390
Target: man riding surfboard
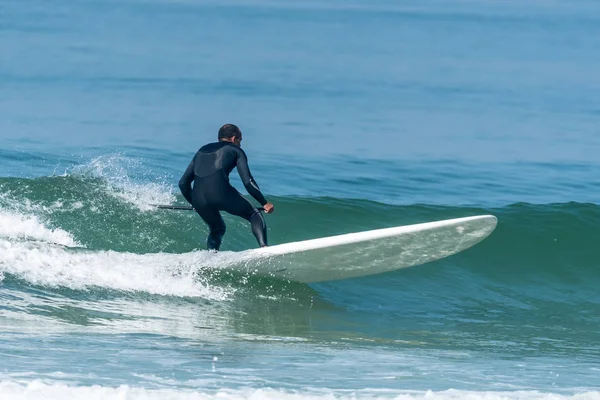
x,y
211,192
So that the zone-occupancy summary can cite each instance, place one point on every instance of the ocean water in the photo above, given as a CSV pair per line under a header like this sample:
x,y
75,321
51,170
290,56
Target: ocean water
x,y
356,115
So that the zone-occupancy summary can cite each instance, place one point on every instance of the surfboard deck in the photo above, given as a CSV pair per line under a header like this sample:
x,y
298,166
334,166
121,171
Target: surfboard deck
x,y
365,253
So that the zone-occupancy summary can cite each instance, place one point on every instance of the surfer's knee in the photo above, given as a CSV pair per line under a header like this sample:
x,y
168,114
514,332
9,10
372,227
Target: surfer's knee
x,y
259,228
258,221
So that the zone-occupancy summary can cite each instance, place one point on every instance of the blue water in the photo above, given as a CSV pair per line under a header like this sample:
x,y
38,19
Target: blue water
x,y
356,115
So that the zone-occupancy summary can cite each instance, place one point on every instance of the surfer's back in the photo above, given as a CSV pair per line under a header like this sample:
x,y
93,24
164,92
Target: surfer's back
x,y
216,157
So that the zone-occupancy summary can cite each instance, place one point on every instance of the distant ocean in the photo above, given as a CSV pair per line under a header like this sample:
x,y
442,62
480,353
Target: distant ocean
x,y
356,115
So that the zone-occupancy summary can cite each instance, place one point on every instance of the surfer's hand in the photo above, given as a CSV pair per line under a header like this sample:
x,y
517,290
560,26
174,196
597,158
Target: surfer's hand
x,y
269,208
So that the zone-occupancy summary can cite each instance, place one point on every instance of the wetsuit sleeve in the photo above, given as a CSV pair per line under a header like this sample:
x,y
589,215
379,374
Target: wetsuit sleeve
x,y
247,179
185,183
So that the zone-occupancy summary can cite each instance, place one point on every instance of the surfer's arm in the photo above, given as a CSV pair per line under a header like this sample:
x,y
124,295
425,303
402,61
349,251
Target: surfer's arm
x,y
185,183
247,179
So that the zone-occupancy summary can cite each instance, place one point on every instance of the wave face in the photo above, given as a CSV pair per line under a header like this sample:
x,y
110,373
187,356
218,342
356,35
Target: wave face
x,y
87,230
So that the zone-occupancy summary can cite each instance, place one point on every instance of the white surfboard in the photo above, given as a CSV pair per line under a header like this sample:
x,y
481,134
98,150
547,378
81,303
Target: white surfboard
x,y
365,253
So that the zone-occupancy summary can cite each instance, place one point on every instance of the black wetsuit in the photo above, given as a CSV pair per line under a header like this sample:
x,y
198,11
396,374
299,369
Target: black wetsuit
x,y
212,192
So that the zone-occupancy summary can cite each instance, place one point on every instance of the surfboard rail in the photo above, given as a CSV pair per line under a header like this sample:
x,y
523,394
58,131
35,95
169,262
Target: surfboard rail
x,y
365,253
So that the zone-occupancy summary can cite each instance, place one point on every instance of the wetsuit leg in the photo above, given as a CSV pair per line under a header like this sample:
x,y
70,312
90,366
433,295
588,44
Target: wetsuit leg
x,y
237,205
215,222
259,228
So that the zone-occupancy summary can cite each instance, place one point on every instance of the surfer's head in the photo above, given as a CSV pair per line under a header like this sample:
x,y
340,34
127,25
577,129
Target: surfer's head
x,y
230,133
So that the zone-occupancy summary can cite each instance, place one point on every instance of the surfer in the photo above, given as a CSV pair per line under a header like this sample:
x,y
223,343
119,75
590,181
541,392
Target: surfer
x,y
212,192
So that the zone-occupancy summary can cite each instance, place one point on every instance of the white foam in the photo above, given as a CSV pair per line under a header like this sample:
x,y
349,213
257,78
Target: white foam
x,y
161,273
40,390
116,170
18,226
